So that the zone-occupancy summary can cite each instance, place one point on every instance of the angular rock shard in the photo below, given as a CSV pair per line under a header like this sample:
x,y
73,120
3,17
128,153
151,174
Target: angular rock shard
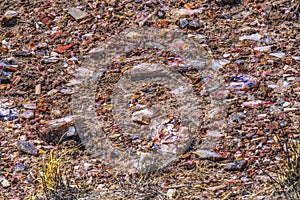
x,y
77,13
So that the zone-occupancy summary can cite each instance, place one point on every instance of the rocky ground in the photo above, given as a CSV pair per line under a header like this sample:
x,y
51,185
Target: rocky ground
x,y
46,46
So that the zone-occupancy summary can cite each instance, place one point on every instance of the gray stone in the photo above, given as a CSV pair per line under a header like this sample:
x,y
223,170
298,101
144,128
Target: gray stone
x,y
205,154
237,165
28,114
27,147
194,24
183,23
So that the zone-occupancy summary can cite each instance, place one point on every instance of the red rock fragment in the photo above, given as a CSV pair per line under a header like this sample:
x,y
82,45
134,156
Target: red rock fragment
x,y
3,49
59,34
45,19
185,156
63,49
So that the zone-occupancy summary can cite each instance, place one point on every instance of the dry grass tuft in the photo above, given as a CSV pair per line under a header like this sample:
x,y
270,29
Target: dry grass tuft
x,y
56,176
285,181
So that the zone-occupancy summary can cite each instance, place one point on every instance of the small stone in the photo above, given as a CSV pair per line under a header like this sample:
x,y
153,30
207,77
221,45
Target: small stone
x,y
8,110
100,187
31,106
71,131
10,14
19,166
205,154
200,36
214,133
38,89
254,37
171,193
278,54
77,13
28,114
216,188
87,166
5,183
161,14
130,35
54,130
87,36
244,179
261,116
64,48
183,23
27,147
260,197
46,20
263,48
296,57
237,165
194,24
142,116
52,92
65,90
290,109
188,12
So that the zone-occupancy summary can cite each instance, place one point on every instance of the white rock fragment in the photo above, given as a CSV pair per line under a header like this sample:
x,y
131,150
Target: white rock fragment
x,y
261,116
88,35
205,154
263,48
77,13
290,109
52,92
226,55
86,166
142,116
171,193
277,54
100,187
10,14
5,183
200,36
133,35
297,104
179,91
254,37
71,131
184,12
31,106
28,114
285,67
218,64
296,57
290,78
214,133
96,50
286,104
